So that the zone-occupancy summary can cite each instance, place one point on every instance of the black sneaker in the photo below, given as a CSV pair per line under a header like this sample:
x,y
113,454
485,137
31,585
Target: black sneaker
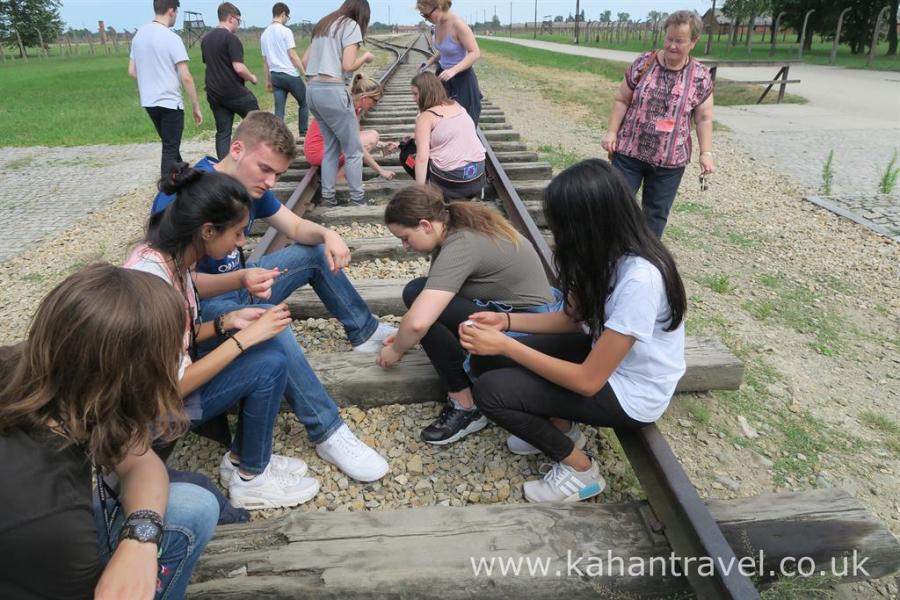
x,y
364,202
453,424
328,202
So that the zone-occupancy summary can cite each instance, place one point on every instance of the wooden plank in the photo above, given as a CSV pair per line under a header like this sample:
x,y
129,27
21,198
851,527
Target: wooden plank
x,y
517,171
353,379
378,189
394,160
428,552
345,215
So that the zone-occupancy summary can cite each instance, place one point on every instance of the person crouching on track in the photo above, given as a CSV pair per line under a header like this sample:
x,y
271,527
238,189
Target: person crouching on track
x,y
447,150
478,261
612,358
98,377
366,93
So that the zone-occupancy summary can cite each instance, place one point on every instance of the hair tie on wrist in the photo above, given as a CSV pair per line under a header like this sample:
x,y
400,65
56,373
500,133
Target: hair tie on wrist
x,y
508,322
239,345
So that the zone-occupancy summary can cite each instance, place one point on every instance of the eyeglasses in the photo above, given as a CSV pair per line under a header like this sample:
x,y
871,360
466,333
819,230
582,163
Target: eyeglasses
x,y
425,15
704,182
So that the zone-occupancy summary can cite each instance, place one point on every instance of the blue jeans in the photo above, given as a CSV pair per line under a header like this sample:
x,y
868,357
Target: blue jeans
x,y
306,264
284,84
660,187
257,377
191,515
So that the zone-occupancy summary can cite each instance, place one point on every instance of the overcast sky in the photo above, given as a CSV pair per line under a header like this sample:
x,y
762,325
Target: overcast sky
x,y
128,14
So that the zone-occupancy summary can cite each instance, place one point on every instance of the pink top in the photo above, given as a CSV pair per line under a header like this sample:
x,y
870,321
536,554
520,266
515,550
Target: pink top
x,y
454,143
657,126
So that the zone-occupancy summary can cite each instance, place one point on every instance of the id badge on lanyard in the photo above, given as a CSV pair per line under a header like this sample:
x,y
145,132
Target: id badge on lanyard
x,y
665,125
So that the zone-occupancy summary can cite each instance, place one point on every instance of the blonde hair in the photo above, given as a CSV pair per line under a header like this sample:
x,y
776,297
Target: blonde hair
x,y
443,5
260,127
366,87
413,203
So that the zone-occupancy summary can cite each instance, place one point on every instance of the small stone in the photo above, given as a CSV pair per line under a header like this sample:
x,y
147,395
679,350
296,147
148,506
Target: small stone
x,y
762,460
401,479
746,429
414,465
423,485
343,483
242,572
731,484
684,423
356,414
802,457
357,504
373,504
717,486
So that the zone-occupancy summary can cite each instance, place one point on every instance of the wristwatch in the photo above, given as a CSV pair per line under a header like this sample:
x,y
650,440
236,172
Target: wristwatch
x,y
145,526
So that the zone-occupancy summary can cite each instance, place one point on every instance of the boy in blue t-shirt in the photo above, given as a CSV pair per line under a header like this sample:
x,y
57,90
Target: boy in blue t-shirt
x,y
261,151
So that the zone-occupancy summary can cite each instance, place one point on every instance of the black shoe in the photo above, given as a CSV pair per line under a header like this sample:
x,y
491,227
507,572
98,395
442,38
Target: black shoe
x,y
328,202
453,424
363,202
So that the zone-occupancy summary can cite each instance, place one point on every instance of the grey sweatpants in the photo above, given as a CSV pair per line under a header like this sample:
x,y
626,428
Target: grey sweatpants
x,y
332,106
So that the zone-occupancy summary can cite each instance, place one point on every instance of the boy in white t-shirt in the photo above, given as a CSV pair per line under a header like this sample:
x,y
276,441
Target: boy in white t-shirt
x,y
282,65
158,62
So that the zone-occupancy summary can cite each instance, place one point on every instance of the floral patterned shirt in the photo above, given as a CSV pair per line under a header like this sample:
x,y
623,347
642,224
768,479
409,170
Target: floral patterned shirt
x,y
657,126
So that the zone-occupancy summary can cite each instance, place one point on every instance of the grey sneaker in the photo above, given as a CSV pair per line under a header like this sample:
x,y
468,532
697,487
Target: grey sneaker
x,y
364,202
328,202
519,446
562,483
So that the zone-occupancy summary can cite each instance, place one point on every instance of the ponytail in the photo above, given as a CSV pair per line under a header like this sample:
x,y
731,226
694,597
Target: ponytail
x,y
414,203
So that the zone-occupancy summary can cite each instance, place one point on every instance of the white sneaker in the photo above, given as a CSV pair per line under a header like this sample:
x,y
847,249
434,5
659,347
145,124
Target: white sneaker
x,y
345,451
564,484
517,445
271,489
375,341
285,464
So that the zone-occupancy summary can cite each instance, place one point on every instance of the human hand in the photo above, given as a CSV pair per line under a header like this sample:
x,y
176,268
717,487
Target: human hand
x,y
130,573
423,66
336,252
269,86
241,319
198,116
389,148
386,174
707,164
489,320
448,74
482,341
253,79
368,57
258,282
265,327
388,357
608,142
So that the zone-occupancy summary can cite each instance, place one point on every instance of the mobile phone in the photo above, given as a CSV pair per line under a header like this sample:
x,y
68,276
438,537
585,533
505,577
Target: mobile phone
x,y
469,323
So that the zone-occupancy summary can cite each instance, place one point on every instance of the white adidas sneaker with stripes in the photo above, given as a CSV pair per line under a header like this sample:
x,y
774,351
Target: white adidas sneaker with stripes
x,y
562,483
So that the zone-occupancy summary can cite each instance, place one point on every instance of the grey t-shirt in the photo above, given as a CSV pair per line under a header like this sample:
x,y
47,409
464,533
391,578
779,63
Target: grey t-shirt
x,y
477,266
326,51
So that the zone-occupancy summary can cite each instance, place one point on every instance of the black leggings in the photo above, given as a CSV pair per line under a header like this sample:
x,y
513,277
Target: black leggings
x,y
522,402
441,343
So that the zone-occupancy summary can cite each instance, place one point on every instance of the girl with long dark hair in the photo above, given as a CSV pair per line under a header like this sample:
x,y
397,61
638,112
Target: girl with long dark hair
x,y
96,382
612,358
208,218
478,260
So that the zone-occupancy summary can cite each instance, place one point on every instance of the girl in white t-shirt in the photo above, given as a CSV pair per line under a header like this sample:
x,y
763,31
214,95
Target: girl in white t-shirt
x,y
611,359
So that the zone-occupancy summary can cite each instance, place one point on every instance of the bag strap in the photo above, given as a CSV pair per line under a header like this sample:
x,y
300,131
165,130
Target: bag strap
x,y
646,67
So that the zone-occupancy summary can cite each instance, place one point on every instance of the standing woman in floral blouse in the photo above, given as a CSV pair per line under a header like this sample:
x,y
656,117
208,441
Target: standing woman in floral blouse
x,y
649,134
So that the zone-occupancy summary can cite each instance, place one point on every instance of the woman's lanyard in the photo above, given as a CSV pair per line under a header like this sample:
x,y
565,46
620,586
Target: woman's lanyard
x,y
193,317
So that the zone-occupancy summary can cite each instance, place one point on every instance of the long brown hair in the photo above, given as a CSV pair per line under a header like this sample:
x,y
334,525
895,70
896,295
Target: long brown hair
x,y
413,203
355,10
101,360
431,90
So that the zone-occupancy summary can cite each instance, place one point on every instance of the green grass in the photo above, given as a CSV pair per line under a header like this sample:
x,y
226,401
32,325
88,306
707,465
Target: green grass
x,y
720,284
801,309
73,101
727,93
558,157
879,422
889,176
721,50
828,173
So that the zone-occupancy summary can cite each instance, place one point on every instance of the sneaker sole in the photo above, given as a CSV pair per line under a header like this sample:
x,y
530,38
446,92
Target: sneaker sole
x,y
253,503
225,479
580,443
594,489
473,427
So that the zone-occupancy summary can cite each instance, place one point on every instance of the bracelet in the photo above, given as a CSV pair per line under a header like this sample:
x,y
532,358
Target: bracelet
x,y
219,325
508,322
239,345
706,152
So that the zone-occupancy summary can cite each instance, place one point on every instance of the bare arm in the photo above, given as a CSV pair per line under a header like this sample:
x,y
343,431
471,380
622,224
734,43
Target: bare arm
x,y
305,59
620,106
187,82
703,118
300,65
265,68
423,143
421,316
350,59
467,39
311,234
132,69
243,72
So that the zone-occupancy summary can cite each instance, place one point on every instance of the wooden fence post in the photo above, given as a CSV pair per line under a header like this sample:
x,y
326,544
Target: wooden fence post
x,y
874,47
803,33
21,46
42,52
775,25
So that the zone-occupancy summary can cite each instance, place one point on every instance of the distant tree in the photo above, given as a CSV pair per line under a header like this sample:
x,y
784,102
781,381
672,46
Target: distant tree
x,y
623,17
558,19
892,28
606,16
495,22
33,19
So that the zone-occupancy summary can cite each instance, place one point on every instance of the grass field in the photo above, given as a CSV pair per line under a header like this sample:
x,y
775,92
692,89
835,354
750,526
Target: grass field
x,y
727,93
787,49
74,101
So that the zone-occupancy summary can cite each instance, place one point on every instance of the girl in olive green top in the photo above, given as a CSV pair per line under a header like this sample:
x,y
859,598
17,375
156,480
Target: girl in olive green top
x,y
478,262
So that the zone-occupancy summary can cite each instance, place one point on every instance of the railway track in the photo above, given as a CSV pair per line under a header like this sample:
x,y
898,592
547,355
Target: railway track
x,y
674,518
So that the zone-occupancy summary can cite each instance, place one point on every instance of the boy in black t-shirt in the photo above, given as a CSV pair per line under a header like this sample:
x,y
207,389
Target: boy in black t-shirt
x,y
223,55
